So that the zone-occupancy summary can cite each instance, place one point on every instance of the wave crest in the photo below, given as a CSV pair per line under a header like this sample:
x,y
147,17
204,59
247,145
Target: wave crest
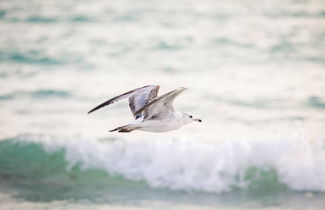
x,y
179,164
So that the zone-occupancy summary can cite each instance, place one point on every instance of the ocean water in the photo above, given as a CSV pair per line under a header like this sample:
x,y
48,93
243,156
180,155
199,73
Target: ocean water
x,y
256,77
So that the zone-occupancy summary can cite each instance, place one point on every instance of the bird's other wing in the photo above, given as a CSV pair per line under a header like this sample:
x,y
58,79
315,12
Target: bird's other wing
x,y
141,98
162,105
136,97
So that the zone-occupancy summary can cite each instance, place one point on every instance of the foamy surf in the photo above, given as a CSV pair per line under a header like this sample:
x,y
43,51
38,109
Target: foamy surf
x,y
175,164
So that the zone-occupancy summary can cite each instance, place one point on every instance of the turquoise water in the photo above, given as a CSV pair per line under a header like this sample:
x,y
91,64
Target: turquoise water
x,y
255,72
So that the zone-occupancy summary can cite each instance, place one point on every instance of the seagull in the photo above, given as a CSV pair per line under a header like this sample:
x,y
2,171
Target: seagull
x,y
151,113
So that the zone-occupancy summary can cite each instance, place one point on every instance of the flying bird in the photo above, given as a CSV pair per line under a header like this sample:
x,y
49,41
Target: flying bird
x,y
151,113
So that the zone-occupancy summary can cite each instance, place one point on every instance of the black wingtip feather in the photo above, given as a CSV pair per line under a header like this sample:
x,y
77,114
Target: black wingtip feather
x,y
92,110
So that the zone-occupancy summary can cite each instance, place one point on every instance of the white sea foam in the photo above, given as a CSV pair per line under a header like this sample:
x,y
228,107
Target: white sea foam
x,y
183,164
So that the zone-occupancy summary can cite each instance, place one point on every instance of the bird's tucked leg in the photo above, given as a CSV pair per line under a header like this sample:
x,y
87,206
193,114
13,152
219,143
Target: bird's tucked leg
x,y
124,129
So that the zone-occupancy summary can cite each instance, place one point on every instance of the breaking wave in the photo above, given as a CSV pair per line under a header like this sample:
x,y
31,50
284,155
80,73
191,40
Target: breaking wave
x,y
175,164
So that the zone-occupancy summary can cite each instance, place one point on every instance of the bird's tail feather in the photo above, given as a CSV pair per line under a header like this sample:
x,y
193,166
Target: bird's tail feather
x,y
124,129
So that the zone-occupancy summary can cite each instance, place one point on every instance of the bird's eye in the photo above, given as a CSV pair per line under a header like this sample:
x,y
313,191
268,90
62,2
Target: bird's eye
x,y
191,116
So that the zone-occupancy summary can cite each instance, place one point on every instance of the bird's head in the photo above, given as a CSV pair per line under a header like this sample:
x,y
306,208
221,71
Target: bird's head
x,y
187,118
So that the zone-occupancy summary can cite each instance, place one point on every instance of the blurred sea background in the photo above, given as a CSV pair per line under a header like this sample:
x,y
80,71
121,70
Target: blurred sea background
x,y
255,70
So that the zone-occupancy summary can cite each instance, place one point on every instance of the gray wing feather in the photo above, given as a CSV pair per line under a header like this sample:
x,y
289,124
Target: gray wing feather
x,y
137,101
162,105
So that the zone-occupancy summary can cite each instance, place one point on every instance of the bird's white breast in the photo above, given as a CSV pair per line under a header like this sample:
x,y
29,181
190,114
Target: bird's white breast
x,y
162,125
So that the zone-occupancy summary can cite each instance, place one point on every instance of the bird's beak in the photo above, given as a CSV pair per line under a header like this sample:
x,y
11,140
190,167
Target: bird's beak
x,y
197,119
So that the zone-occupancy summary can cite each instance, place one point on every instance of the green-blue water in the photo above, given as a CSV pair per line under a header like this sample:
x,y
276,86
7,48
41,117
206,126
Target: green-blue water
x,y
256,76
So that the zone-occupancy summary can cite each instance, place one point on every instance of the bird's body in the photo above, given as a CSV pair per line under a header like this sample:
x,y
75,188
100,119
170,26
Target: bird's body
x,y
159,125
151,113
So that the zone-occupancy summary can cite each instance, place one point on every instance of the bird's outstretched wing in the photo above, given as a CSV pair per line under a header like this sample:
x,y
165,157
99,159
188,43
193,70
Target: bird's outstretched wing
x,y
137,99
162,105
